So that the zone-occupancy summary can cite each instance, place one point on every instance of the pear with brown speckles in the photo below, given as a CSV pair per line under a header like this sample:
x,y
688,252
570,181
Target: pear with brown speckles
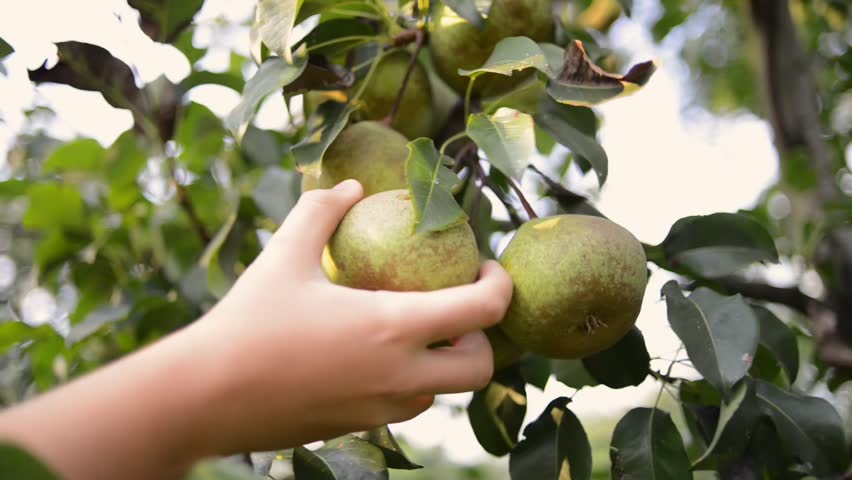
x,y
579,282
375,248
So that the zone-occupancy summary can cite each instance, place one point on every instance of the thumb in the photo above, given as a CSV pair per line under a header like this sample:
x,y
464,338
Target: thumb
x,y
313,220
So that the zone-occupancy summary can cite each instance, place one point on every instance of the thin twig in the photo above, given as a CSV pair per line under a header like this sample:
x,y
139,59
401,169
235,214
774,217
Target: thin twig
x,y
517,189
411,63
498,192
194,220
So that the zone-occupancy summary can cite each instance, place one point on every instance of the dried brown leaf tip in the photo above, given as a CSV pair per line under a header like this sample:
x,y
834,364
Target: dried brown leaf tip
x,y
579,69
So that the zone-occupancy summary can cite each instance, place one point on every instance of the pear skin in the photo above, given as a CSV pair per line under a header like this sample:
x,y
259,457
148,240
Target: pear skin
x,y
375,248
578,285
369,152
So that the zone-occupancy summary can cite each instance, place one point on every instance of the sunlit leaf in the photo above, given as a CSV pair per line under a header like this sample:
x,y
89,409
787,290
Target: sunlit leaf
x,y
719,244
86,155
274,21
435,208
54,206
510,55
555,447
201,136
507,138
646,445
720,333
273,75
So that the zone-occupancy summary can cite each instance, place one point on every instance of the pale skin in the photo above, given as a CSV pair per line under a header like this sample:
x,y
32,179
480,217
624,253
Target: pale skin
x,y
286,358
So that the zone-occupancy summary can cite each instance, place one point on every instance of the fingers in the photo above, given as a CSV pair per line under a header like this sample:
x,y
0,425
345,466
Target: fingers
x,y
466,366
452,312
313,220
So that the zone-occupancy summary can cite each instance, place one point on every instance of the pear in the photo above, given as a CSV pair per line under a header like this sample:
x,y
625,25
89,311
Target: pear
x,y
456,44
415,116
578,285
375,248
505,351
369,152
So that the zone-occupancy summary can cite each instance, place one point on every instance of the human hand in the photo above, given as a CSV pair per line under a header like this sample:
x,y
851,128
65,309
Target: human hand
x,y
300,359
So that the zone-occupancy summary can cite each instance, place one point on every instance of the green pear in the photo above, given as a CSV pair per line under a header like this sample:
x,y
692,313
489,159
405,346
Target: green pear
x,y
456,44
369,152
505,351
375,248
415,116
579,282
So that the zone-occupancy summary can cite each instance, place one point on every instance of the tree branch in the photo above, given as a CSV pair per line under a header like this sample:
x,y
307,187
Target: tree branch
x,y
419,37
790,296
194,220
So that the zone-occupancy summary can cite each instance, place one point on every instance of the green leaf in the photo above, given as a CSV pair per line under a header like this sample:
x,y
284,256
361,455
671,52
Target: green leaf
x,y
810,428
323,127
526,98
86,155
273,75
647,445
225,79
536,370
574,127
14,188
341,458
163,20
512,54
625,364
185,45
727,413
125,158
274,22
57,247
92,68
395,457
54,206
221,470
201,136
719,244
780,340
572,373
467,10
507,138
720,333
555,447
497,412
276,193
435,208
5,49
19,464
14,333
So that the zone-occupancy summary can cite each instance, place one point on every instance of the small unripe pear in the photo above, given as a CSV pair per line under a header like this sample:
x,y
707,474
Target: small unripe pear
x,y
456,44
369,152
579,282
375,248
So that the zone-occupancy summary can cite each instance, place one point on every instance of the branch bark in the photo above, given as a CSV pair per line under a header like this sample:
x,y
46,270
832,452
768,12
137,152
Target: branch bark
x,y
793,105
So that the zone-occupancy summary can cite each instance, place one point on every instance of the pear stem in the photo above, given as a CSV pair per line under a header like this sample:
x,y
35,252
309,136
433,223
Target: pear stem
x,y
419,36
517,189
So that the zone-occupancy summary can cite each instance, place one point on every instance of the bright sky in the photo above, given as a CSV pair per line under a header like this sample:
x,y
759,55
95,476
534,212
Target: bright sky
x,y
662,166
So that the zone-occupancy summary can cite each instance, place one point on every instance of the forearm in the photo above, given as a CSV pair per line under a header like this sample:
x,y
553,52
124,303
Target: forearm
x,y
141,417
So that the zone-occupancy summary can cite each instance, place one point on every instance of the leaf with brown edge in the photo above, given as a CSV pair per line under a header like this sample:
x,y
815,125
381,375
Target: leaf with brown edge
x,y
582,83
92,68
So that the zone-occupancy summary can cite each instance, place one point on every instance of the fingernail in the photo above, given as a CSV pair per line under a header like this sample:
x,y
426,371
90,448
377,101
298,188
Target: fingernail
x,y
347,185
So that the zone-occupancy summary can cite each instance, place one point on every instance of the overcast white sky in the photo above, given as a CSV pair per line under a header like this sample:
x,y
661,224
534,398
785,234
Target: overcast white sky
x,y
662,167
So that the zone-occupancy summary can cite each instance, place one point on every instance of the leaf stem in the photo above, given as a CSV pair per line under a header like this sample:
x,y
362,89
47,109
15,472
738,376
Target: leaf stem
x,y
396,104
467,94
350,38
666,376
517,189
